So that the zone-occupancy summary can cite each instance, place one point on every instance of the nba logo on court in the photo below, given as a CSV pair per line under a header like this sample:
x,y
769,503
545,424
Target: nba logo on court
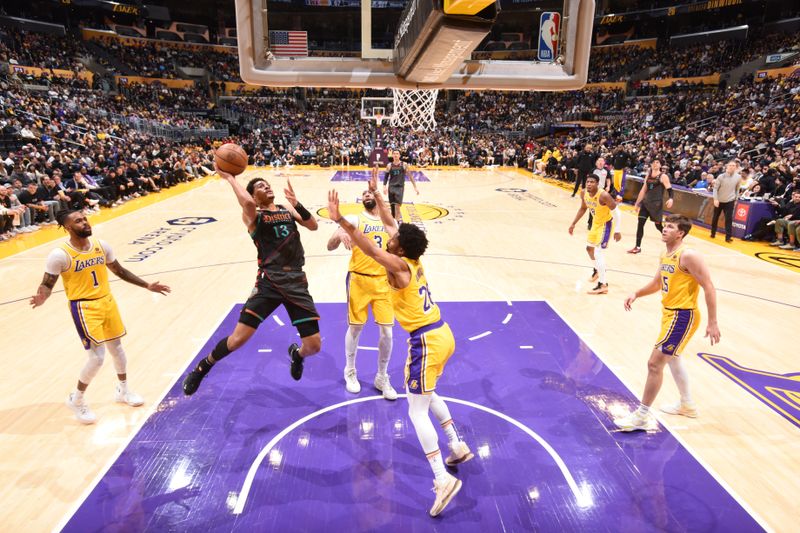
x,y
549,25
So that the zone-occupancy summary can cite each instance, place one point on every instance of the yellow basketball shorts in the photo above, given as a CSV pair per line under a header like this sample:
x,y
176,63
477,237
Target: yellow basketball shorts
x,y
619,179
677,328
429,349
97,321
368,291
600,234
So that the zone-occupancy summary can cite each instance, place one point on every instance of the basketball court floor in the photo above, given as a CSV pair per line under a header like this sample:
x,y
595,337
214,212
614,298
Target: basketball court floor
x,y
540,370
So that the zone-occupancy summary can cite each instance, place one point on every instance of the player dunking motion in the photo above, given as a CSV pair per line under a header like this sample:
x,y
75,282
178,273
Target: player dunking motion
x,y
394,183
680,274
431,343
83,263
367,287
605,217
650,202
280,279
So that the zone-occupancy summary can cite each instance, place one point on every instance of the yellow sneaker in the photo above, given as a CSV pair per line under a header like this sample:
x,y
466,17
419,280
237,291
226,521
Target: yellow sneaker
x,y
445,492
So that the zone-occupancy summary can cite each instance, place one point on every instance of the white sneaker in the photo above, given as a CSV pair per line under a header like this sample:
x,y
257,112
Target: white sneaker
x,y
351,381
83,414
681,409
128,397
459,453
445,492
383,384
635,422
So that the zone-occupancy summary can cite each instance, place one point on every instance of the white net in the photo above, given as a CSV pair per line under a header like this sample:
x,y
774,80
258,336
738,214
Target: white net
x,y
414,108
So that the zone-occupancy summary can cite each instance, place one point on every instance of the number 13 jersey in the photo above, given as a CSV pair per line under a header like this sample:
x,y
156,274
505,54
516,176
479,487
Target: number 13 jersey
x,y
278,241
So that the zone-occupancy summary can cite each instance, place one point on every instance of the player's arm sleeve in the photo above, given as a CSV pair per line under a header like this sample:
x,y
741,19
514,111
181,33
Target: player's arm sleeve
x,y
353,219
109,251
57,262
617,216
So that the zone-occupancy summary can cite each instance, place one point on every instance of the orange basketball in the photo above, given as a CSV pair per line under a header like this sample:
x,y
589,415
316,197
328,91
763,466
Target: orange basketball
x,y
231,158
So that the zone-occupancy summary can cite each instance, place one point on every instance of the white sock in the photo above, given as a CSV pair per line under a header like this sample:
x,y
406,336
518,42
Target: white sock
x,y
123,385
643,409
384,349
600,264
442,414
437,465
681,378
78,396
351,345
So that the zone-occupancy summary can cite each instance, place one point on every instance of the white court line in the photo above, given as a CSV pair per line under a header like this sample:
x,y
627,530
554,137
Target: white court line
x,y
150,410
672,429
480,335
370,348
264,350
581,495
507,318
278,320
526,347
505,297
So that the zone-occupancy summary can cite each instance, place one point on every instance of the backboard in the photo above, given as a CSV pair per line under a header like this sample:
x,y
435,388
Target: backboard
x,y
552,52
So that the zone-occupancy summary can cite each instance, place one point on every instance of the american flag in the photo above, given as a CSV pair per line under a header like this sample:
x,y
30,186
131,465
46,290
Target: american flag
x,y
288,43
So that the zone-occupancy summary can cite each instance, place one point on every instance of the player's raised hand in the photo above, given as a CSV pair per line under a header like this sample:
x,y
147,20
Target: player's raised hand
x,y
713,334
222,174
373,181
333,205
288,191
629,301
159,288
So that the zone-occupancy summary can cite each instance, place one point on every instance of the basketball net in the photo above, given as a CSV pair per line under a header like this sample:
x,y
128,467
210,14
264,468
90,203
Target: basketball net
x,y
414,108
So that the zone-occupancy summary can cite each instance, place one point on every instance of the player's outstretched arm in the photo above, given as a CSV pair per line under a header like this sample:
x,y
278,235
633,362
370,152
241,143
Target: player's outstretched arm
x,y
126,275
245,200
44,290
389,223
693,263
390,262
299,212
650,288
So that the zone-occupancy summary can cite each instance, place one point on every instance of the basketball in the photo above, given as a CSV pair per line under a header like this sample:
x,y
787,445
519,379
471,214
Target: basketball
x,y
231,158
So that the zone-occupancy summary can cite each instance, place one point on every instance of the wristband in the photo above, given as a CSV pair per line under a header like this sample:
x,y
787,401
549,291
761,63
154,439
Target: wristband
x,y
670,193
302,211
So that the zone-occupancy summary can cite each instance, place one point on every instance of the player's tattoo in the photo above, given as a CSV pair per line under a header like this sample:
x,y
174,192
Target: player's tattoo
x,y
49,280
126,275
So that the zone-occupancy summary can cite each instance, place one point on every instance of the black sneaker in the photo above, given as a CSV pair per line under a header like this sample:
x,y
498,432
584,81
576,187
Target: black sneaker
x,y
297,362
192,382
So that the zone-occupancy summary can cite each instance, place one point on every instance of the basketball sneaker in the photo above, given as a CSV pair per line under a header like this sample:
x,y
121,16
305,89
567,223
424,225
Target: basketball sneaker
x,y
600,288
351,381
635,250
83,414
296,369
682,409
635,422
595,275
192,382
127,397
459,453
445,492
383,384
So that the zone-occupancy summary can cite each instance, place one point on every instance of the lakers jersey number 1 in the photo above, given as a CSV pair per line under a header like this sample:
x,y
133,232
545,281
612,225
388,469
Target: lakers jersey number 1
x,y
86,278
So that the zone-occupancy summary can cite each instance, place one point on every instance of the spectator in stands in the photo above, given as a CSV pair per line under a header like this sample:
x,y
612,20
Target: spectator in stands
x,y
788,222
726,188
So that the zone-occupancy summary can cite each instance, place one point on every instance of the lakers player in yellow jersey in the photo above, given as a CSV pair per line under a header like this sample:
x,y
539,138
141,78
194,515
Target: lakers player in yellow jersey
x,y
83,262
367,287
605,219
681,272
431,341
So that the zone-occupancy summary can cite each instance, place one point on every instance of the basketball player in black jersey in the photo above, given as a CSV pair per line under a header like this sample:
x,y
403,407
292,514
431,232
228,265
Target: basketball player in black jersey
x,y
650,201
395,177
280,279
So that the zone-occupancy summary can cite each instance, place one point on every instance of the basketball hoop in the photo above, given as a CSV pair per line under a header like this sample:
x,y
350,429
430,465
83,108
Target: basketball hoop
x,y
414,108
